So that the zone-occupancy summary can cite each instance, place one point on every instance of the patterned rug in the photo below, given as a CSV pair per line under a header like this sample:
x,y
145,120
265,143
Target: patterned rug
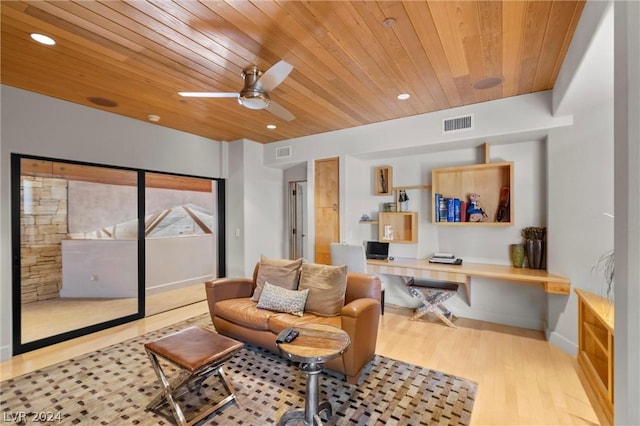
x,y
112,386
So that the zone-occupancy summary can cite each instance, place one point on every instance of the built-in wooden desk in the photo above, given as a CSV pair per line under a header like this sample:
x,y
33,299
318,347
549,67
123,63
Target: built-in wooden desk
x,y
462,274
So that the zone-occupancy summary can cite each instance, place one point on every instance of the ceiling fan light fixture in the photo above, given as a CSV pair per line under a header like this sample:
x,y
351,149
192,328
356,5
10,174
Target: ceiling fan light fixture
x,y
254,100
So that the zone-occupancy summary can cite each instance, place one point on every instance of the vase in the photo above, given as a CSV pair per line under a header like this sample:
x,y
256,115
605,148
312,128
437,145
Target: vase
x,y
517,255
535,254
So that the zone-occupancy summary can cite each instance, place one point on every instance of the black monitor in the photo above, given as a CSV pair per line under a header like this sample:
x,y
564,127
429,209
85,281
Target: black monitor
x,y
377,250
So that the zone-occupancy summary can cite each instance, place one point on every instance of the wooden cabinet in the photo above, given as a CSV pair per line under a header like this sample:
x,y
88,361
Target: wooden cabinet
x,y
595,346
398,227
487,179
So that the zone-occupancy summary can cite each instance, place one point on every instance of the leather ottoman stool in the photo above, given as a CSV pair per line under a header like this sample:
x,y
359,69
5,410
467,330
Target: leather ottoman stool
x,y
432,295
199,353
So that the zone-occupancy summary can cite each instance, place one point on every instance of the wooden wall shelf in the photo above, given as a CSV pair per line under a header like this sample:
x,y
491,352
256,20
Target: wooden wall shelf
x,y
484,179
403,224
383,180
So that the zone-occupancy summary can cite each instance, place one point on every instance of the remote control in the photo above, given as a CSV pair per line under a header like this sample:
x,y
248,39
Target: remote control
x,y
287,335
290,336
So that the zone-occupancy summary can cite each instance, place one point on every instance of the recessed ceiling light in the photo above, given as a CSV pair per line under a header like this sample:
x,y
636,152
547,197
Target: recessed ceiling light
x,y
403,96
488,83
153,117
43,39
271,126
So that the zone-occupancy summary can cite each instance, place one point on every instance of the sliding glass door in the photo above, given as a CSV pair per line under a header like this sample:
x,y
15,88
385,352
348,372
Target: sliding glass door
x,y
180,240
97,246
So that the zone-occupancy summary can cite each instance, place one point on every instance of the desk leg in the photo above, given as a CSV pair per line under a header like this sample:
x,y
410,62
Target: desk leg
x,y
467,289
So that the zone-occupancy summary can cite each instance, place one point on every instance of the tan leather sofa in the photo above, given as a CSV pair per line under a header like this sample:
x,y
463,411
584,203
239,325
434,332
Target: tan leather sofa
x,y
234,314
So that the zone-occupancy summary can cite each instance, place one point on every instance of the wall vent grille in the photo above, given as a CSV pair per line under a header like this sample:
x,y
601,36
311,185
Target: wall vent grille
x,y
457,124
283,152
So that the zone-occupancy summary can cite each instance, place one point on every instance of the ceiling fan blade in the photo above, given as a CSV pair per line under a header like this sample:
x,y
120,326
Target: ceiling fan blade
x,y
209,94
280,111
275,75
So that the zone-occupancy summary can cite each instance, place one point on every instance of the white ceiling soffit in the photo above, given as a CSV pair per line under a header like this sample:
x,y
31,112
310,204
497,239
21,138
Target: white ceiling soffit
x,y
586,77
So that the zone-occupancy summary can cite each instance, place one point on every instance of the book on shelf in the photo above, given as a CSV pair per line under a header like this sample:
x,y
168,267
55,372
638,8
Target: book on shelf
x,y
442,217
445,259
442,255
449,209
451,215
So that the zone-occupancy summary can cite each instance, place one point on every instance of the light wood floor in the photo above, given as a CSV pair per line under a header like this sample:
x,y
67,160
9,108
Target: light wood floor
x,y
72,313
521,378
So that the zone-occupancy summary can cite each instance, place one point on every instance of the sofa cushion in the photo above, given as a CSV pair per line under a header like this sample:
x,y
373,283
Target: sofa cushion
x,y
279,322
244,312
280,299
281,272
327,285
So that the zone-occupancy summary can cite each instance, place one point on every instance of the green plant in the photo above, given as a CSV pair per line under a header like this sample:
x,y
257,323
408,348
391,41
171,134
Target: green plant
x,y
606,265
533,233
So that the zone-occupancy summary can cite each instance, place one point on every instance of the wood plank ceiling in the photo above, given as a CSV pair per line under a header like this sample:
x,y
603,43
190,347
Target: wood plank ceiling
x,y
349,63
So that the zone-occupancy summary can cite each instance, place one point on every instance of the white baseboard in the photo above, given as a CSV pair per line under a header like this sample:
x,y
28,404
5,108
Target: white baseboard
x,y
177,284
5,352
561,342
498,318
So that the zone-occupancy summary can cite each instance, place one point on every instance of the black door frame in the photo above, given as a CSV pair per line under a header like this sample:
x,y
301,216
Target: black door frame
x,y
18,346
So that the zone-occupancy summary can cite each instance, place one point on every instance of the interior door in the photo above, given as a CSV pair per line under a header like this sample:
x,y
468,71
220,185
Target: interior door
x,y
327,212
297,219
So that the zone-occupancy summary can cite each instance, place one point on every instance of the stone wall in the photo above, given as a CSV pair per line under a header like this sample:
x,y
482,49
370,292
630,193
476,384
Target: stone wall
x,y
43,209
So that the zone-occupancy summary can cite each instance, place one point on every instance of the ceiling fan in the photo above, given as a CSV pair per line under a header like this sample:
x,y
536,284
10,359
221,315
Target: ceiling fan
x,y
254,94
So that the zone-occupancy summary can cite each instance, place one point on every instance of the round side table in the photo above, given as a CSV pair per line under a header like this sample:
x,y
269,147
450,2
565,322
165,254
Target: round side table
x,y
315,345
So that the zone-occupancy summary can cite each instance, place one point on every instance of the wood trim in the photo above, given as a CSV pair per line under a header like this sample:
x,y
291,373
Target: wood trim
x,y
111,176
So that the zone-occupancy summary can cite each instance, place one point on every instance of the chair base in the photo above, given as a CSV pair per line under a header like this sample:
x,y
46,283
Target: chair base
x,y
432,296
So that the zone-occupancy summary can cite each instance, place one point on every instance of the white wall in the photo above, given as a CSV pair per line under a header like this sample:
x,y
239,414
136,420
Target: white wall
x,y
99,268
176,262
515,119
39,125
255,209
627,204
580,180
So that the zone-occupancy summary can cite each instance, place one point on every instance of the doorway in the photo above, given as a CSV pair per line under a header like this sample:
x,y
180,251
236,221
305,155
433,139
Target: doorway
x,y
327,211
297,219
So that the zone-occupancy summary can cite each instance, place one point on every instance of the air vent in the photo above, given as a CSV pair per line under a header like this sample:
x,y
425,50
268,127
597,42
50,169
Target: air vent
x,y
457,124
283,152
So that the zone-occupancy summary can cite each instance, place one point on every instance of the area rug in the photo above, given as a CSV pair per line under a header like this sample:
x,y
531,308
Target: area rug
x,y
112,386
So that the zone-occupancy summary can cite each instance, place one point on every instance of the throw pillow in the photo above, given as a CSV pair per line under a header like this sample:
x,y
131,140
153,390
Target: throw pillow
x,y
281,272
280,299
327,285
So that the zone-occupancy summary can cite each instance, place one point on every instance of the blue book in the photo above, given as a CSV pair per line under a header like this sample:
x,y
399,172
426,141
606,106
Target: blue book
x,y
456,210
451,215
436,207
